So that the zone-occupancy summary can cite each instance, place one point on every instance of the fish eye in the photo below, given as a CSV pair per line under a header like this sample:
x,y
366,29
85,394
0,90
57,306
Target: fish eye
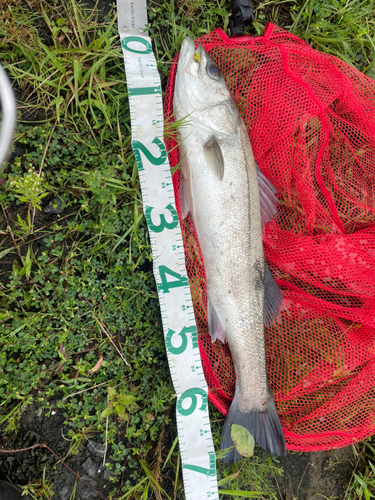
x,y
213,72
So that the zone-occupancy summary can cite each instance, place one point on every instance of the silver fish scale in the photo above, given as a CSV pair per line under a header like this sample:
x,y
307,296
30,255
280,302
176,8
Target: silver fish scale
x,y
226,214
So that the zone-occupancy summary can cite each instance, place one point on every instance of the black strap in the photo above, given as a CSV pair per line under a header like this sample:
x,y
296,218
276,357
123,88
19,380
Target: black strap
x,y
242,15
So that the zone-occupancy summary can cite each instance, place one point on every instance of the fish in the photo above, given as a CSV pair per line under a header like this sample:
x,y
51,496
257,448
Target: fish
x,y
229,201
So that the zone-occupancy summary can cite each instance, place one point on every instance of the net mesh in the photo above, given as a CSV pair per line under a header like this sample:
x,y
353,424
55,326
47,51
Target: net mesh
x,y
311,123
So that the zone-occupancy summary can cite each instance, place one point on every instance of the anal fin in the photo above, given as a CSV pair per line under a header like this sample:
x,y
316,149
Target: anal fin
x,y
273,298
214,325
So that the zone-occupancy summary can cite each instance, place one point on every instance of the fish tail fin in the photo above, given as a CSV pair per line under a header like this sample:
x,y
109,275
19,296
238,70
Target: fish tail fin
x,y
265,427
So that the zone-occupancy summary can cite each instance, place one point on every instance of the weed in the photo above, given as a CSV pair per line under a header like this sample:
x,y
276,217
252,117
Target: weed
x,y
11,419
191,7
78,438
344,28
75,74
363,486
41,490
30,189
118,404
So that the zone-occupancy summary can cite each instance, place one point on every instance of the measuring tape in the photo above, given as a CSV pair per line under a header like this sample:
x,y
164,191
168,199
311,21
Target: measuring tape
x,y
180,331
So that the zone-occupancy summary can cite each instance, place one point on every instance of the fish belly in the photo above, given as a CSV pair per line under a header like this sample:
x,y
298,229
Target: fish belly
x,y
226,215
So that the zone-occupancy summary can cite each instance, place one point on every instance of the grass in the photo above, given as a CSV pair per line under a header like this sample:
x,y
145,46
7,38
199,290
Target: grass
x,y
81,329
343,28
66,69
40,489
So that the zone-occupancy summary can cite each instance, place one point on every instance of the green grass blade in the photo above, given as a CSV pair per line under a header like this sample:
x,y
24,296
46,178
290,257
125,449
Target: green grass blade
x,y
244,494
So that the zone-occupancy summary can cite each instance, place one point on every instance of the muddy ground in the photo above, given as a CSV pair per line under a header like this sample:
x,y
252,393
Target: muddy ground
x,y
26,467
307,476
312,476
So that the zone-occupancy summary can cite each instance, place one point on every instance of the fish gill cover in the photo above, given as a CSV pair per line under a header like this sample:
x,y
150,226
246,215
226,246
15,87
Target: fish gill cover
x,y
311,123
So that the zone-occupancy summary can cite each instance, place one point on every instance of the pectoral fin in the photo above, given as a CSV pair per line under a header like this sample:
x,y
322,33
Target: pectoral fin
x,y
185,188
214,156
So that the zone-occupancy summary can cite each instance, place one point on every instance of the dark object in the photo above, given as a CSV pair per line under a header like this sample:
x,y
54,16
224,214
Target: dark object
x,y
11,492
242,15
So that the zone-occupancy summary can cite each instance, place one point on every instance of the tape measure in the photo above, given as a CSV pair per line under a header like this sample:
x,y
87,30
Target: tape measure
x,y
180,331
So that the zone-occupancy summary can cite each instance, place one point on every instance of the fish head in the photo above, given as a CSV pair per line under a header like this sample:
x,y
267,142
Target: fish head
x,y
201,92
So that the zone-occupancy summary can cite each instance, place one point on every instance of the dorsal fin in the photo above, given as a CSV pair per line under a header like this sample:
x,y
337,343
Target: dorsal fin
x,y
214,156
268,200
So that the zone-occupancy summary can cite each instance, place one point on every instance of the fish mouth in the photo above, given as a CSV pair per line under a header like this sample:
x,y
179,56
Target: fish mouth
x,y
187,52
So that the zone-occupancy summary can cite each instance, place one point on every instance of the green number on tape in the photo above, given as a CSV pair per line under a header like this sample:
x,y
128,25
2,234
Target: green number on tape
x,y
165,285
125,44
163,223
192,394
204,470
183,334
155,160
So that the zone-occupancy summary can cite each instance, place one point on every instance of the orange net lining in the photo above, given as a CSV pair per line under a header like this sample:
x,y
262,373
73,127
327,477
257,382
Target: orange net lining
x,y
311,123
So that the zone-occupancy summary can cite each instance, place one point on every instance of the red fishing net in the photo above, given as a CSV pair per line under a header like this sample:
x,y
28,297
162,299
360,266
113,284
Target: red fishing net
x,y
311,123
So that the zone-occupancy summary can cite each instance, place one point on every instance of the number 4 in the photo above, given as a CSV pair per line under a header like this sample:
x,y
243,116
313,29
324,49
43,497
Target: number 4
x,y
165,285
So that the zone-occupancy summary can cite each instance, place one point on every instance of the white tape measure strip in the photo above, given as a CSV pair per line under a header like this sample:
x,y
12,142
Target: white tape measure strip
x,y
147,125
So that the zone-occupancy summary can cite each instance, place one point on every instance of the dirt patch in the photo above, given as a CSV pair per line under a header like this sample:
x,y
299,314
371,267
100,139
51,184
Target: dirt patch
x,y
312,476
83,472
307,476
102,7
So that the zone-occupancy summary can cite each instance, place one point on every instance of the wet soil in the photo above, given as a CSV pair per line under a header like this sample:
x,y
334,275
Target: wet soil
x,y
313,476
307,476
83,472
